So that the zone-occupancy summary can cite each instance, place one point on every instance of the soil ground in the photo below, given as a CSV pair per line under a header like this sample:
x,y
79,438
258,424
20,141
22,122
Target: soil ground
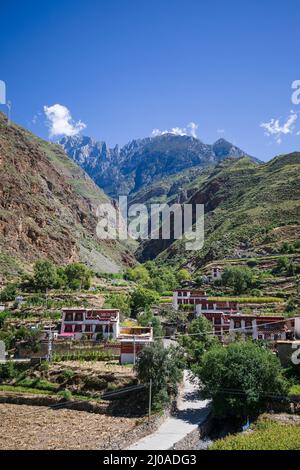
x,y
40,428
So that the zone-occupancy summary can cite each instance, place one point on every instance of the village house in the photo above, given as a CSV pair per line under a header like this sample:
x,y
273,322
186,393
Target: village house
x,y
90,323
198,301
262,327
104,324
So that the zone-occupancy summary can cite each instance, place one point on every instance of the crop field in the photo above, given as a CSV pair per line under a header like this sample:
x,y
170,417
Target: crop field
x,y
266,434
40,428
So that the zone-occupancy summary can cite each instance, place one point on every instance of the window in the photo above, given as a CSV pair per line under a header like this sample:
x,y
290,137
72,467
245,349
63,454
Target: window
x,y
88,328
78,328
69,317
79,317
68,329
237,324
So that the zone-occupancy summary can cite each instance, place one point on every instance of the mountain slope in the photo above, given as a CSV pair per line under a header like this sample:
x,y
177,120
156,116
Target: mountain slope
x,y
249,209
47,206
144,162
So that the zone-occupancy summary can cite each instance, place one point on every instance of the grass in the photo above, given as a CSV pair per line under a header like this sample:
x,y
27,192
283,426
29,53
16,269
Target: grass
x,y
20,389
265,435
37,391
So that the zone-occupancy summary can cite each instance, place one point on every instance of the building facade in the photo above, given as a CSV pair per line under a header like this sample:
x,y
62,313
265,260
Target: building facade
x,y
133,341
90,323
198,301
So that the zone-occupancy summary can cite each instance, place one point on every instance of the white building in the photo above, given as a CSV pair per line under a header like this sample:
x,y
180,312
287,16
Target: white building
x,y
90,323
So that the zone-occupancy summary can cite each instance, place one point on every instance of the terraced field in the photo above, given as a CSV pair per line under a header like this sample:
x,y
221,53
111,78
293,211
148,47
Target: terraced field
x,y
40,428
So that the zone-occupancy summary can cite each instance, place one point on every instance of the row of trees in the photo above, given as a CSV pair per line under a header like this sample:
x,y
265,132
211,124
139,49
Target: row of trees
x,y
46,275
157,278
73,276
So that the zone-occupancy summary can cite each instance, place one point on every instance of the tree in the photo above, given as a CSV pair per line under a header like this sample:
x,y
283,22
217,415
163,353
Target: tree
x,y
119,301
183,275
241,379
8,293
164,367
199,339
239,278
148,319
291,305
142,298
161,278
44,275
31,338
78,276
138,274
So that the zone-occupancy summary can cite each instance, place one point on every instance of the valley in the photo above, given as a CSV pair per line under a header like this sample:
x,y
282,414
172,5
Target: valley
x,y
88,324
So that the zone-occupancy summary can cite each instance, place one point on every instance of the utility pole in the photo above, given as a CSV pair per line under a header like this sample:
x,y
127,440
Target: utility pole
x,y
49,355
134,351
150,401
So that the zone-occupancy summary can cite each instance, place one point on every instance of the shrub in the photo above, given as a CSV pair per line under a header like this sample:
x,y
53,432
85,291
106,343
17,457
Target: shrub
x,y
239,278
9,293
65,394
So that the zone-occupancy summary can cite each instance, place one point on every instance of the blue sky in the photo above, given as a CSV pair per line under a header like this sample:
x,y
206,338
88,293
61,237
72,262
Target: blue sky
x,y
126,67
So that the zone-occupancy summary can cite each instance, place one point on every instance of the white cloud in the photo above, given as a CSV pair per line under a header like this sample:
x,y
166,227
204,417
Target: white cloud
x,y
190,129
276,129
60,121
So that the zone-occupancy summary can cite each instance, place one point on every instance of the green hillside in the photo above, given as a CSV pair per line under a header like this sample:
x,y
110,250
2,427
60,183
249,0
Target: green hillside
x,y
250,209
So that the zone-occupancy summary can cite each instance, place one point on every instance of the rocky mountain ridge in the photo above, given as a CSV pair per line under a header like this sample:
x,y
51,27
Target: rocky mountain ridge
x,y
143,162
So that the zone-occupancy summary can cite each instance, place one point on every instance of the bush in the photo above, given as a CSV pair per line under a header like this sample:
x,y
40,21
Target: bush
x,y
7,370
65,394
9,293
78,276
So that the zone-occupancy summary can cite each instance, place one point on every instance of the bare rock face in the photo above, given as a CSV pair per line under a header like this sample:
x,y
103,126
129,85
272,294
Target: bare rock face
x,y
143,162
47,205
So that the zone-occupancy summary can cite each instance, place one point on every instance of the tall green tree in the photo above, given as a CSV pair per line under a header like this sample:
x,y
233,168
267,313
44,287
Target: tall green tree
x,y
44,275
241,379
164,367
199,340
78,276
148,319
238,277
142,298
